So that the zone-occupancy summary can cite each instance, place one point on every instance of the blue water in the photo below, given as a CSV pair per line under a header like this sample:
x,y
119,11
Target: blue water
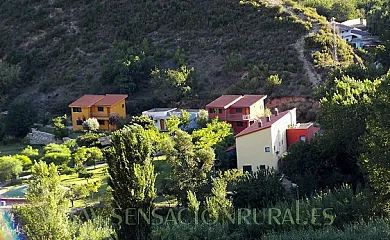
x,y
7,229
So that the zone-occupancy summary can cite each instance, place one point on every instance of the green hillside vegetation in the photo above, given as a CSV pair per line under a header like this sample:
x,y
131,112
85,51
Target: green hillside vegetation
x,y
159,52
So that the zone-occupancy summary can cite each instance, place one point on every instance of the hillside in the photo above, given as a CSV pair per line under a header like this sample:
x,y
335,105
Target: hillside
x,y
162,53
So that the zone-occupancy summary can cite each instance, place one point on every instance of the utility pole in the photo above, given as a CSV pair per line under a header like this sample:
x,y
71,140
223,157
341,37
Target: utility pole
x,y
335,60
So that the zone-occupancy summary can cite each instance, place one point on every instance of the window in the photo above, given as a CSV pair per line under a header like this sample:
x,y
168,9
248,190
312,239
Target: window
x,y
247,168
79,122
101,122
76,109
274,148
262,167
212,110
302,138
238,110
267,149
100,109
240,124
219,110
123,105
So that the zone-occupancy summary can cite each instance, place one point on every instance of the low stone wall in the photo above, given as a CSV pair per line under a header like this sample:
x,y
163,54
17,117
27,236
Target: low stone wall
x,y
41,138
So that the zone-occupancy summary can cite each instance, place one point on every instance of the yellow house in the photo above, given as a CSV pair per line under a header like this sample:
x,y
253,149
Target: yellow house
x,y
262,144
101,107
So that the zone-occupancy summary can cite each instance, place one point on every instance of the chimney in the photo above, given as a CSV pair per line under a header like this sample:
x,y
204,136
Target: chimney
x,y
259,123
268,118
276,112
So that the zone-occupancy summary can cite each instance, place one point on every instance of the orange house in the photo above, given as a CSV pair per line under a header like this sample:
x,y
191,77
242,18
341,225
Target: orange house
x,y
101,107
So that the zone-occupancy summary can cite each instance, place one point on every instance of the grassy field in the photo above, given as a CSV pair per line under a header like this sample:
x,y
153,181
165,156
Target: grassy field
x,y
162,169
11,148
15,148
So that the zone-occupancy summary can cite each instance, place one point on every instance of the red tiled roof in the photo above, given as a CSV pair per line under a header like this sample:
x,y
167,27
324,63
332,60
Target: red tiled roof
x,y
232,147
248,100
254,127
224,101
111,99
86,101
101,100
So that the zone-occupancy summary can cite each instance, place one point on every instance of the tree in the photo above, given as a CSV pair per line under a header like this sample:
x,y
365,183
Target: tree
x,y
9,79
259,189
20,118
60,129
94,155
87,155
172,123
132,177
344,10
45,214
203,118
10,168
79,157
273,81
312,166
77,192
58,154
185,119
378,23
91,125
191,166
376,142
218,205
143,121
89,139
344,111
215,132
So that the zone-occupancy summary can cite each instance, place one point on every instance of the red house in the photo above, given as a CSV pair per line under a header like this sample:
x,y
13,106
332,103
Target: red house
x,y
301,132
240,111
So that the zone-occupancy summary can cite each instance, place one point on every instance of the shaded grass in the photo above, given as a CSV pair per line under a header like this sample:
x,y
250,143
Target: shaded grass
x,y
15,148
162,170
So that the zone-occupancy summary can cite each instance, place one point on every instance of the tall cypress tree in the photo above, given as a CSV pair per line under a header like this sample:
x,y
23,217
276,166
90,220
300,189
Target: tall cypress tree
x,y
132,180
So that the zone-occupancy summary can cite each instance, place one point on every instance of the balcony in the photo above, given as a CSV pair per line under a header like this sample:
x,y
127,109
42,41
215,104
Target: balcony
x,y
238,117
103,115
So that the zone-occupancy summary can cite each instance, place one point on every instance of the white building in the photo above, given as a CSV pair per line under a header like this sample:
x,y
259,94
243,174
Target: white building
x,y
160,115
262,144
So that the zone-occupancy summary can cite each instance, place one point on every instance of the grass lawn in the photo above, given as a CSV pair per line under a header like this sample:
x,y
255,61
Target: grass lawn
x,y
14,148
162,169
11,148
98,174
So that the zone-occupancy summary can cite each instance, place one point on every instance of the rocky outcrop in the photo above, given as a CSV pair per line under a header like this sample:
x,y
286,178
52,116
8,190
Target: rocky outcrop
x,y
41,138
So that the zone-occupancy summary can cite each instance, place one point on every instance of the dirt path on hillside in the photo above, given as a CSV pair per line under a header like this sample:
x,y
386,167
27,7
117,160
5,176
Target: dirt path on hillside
x,y
299,45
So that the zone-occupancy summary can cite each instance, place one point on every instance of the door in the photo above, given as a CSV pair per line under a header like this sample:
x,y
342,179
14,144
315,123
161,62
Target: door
x,y
162,125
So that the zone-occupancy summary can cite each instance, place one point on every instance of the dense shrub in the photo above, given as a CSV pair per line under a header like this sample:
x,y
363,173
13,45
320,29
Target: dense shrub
x,y
89,140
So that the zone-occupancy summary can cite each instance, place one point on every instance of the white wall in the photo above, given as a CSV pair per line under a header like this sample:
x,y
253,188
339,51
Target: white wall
x,y
251,147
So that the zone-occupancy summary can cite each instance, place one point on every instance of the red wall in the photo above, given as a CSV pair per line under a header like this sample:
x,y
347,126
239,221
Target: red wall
x,y
294,134
220,116
237,129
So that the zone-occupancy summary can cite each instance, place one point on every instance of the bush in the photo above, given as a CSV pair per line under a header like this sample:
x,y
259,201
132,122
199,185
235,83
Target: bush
x,y
10,168
91,124
58,154
259,189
